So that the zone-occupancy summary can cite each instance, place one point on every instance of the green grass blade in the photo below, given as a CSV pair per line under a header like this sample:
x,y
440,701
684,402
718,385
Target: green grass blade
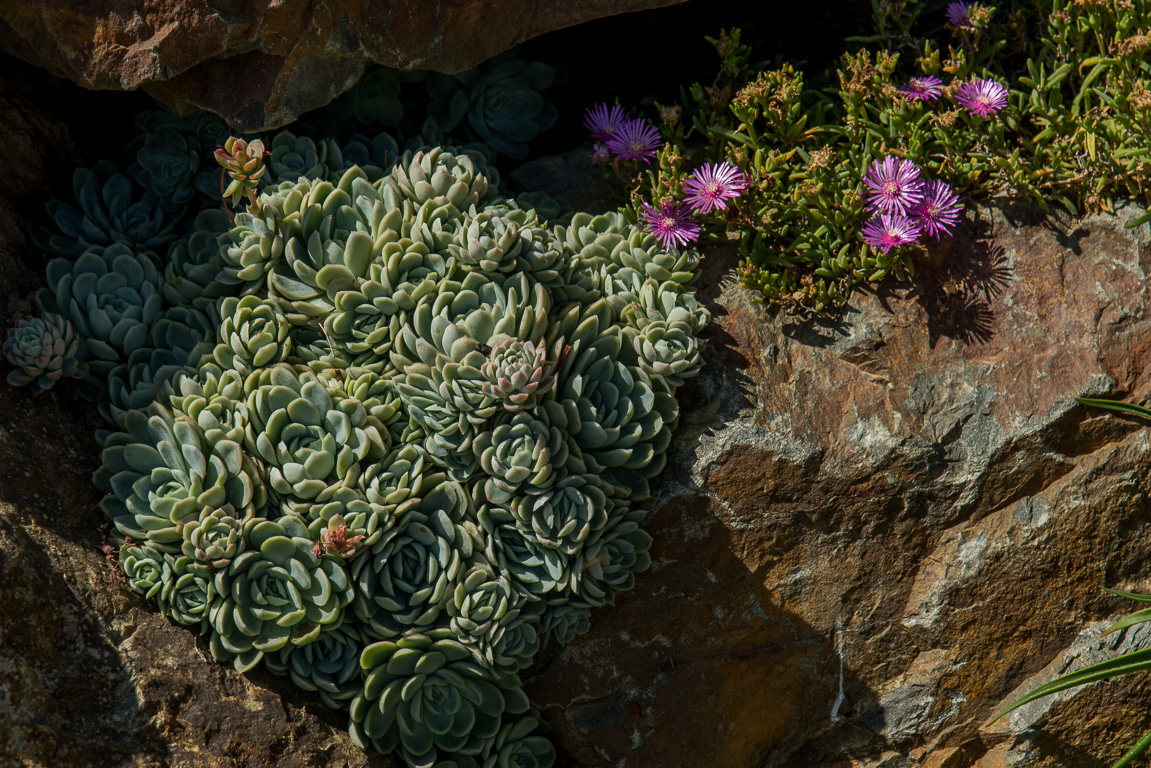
x,y
1136,750
1116,405
1136,618
1122,665
1129,595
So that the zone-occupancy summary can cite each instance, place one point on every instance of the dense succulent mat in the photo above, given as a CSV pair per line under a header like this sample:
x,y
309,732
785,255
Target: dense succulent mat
x,y
389,437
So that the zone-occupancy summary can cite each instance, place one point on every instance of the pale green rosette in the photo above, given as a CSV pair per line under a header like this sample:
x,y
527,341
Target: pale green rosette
x,y
533,569
309,440
330,665
517,374
274,594
438,176
426,695
609,563
163,471
487,614
524,455
214,540
569,514
188,594
214,399
254,332
404,584
521,743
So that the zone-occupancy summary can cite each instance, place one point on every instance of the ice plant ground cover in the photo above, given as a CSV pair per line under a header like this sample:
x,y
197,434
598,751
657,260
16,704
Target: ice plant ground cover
x,y
372,425
1047,100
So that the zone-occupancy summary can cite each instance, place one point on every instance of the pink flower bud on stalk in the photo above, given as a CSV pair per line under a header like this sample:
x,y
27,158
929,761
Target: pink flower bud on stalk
x,y
244,162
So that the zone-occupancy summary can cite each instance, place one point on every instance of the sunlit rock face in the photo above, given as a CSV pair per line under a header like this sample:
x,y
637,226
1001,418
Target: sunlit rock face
x,y
876,531
260,64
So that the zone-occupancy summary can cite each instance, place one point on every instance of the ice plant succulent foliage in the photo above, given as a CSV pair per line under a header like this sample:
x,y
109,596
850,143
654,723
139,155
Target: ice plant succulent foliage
x,y
356,430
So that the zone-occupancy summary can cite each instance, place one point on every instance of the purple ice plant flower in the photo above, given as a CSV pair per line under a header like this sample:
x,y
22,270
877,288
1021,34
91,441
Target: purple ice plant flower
x,y
635,140
894,185
671,223
604,121
959,14
890,230
600,153
924,88
938,212
982,97
711,186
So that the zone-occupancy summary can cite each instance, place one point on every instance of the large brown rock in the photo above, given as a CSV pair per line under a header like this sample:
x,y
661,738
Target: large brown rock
x,y
261,64
876,531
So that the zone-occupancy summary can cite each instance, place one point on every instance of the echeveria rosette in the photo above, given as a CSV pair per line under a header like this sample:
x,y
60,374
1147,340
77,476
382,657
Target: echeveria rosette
x,y
194,264
492,240
533,569
428,696
346,525
517,374
374,390
609,563
146,569
666,350
112,296
566,516
486,615
294,157
213,540
499,103
275,593
404,582
255,244
330,665
438,176
166,165
188,593
308,440
162,471
404,475
562,618
521,454
214,399
254,334
375,156
43,349
107,215
618,420
177,344
373,100
521,743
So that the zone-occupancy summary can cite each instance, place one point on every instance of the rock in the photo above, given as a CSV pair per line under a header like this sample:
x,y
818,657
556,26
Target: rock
x,y
261,65
877,531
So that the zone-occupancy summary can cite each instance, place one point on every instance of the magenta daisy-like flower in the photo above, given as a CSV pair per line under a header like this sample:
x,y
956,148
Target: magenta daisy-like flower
x,y
604,121
635,140
982,97
711,186
890,230
959,14
895,185
600,153
923,88
671,223
938,212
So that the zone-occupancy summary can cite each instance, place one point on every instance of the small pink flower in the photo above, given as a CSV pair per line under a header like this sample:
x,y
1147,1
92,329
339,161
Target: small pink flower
x,y
938,212
603,122
894,185
982,97
635,140
890,230
672,223
711,186
600,153
924,88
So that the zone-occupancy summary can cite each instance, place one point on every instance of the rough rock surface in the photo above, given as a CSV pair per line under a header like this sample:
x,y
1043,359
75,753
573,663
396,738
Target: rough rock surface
x,y
877,531
261,64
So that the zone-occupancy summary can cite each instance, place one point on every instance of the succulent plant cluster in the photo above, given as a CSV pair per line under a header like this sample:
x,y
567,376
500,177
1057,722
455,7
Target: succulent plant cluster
x,y
386,432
